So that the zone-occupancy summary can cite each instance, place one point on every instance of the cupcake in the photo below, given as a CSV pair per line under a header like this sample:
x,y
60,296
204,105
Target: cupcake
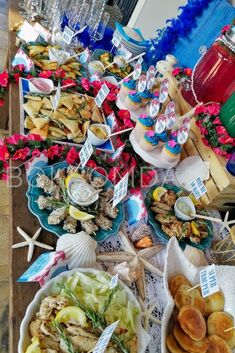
x,y
149,141
127,86
146,97
171,151
173,135
144,123
133,101
162,137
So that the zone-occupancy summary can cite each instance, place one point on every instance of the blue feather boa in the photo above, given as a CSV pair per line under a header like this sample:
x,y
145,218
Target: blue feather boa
x,y
180,27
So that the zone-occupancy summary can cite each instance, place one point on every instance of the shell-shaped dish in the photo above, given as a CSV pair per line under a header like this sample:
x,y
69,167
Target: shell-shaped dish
x,y
185,171
79,249
195,256
176,263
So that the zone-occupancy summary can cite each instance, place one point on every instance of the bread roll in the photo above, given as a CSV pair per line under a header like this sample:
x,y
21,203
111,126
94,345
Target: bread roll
x,y
187,343
192,322
173,345
214,302
194,298
217,345
218,322
176,282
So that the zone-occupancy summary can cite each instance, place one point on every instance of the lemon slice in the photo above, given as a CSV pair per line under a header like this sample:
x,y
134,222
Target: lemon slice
x,y
72,176
194,200
79,215
158,193
72,314
34,346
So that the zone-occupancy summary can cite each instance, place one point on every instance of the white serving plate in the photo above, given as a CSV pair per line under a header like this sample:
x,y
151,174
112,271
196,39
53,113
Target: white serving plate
x,y
176,262
51,289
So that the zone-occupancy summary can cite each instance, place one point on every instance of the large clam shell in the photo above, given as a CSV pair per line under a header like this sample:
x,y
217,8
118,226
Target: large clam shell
x,y
79,249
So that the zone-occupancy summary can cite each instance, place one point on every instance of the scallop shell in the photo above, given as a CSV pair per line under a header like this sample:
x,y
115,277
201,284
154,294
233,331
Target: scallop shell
x,y
195,256
79,249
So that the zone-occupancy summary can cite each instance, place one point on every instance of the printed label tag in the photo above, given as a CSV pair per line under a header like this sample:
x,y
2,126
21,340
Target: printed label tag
x,y
120,190
21,58
117,153
208,281
165,83
105,338
124,52
142,83
67,35
187,123
182,135
154,107
56,98
86,152
140,60
160,124
170,108
151,81
170,120
198,187
151,71
137,71
163,94
101,95
117,39
114,281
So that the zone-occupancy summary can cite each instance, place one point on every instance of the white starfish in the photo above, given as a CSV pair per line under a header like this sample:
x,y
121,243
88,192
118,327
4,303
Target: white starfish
x,y
226,223
138,259
147,314
30,242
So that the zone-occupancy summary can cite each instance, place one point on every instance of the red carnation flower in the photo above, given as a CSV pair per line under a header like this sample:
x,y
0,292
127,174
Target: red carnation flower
x,y
4,78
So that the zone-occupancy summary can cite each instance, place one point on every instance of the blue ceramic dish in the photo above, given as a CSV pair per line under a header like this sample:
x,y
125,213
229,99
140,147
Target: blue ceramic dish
x,y
162,236
34,192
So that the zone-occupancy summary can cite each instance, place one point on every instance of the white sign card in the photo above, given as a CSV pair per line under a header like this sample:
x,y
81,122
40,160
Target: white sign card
x,y
114,281
154,107
117,39
21,58
160,124
86,152
140,60
27,33
137,71
95,77
208,281
120,190
112,121
56,98
104,339
67,35
187,123
124,52
165,83
151,71
43,32
182,135
142,83
101,95
198,187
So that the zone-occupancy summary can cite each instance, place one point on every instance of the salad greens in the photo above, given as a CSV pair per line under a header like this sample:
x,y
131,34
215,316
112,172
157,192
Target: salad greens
x,y
102,306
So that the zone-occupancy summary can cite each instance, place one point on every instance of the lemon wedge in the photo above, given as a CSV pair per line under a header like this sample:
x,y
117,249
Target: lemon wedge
x,y
79,215
194,200
72,314
72,176
34,346
158,193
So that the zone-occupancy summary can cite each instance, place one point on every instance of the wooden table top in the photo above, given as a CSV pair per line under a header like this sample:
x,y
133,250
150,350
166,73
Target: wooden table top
x,y
21,294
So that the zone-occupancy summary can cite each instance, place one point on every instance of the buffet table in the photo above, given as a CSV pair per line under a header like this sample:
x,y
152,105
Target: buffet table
x,y
20,295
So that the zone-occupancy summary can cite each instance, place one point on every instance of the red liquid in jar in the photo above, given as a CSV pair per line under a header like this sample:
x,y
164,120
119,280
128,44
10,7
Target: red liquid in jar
x,y
214,78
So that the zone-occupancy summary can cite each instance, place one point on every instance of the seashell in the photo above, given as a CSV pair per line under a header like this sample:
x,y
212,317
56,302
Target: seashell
x,y
195,256
185,171
79,249
141,231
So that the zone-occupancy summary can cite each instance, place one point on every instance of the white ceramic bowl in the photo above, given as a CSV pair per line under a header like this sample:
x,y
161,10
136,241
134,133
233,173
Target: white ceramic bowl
x,y
179,213
50,288
58,55
75,200
96,141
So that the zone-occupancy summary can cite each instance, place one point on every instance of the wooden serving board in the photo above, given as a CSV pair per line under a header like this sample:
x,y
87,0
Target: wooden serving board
x,y
221,184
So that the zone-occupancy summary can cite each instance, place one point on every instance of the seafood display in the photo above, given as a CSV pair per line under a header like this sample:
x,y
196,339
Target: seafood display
x,y
74,216
74,318
161,202
199,324
69,121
